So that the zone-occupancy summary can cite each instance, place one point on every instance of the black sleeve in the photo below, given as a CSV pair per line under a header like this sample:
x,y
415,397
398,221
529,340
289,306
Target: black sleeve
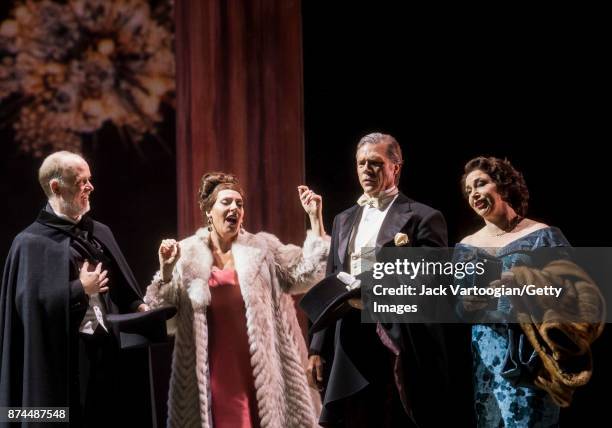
x,y
432,231
333,249
317,341
78,297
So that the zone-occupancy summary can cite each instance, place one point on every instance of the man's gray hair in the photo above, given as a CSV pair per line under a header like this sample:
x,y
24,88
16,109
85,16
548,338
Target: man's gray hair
x,y
394,151
57,165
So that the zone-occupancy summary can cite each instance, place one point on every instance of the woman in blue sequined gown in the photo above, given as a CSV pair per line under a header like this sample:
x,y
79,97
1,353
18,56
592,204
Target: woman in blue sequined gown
x,y
503,360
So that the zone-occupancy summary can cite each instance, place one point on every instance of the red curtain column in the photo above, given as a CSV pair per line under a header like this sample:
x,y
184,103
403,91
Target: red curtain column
x,y
240,108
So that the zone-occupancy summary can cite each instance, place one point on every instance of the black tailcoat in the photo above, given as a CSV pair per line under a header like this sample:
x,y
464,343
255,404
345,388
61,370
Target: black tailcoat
x,y
408,360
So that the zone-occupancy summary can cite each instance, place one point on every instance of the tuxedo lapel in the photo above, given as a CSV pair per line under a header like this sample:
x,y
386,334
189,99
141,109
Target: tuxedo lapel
x,y
396,218
346,225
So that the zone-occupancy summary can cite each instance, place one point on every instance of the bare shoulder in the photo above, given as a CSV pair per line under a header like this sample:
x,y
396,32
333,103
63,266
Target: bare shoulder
x,y
528,225
473,239
467,240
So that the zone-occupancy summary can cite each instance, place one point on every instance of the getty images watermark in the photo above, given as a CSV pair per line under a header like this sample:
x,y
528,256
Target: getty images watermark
x,y
447,285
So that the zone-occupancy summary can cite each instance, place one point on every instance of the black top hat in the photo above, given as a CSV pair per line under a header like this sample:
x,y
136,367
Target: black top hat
x,y
327,302
139,329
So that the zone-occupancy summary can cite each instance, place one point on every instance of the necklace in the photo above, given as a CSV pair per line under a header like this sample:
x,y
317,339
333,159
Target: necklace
x,y
511,226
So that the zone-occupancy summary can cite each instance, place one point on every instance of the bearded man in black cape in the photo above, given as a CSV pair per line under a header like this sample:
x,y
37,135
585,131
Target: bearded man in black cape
x,y
63,274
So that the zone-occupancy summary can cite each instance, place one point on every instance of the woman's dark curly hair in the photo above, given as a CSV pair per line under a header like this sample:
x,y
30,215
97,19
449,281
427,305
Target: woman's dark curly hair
x,y
510,183
210,186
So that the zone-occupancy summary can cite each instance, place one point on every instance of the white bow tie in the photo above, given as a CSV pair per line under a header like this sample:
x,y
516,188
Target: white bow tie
x,y
377,202
369,201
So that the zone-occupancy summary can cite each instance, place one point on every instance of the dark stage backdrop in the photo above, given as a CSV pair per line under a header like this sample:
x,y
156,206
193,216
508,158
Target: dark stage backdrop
x,y
453,84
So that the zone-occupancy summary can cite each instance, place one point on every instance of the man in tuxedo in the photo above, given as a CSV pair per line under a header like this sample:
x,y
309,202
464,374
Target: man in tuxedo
x,y
63,274
376,375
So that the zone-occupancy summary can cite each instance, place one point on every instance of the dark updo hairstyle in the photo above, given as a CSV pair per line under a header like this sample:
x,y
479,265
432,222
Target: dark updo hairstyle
x,y
510,183
210,186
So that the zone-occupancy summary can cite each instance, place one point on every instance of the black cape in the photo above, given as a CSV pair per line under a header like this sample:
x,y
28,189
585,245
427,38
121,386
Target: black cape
x,y
35,309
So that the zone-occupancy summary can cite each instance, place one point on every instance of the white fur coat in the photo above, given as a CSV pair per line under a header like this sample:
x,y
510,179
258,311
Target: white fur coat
x,y
267,270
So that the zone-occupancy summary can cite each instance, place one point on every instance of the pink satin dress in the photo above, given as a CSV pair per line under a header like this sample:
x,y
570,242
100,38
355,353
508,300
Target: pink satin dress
x,y
234,403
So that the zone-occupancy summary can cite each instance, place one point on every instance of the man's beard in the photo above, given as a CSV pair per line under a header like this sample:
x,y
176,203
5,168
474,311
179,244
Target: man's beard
x,y
72,209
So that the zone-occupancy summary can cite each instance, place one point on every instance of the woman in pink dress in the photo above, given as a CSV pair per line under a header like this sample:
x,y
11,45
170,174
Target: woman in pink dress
x,y
239,354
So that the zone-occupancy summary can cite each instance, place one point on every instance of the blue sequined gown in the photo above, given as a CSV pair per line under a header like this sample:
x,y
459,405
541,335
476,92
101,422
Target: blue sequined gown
x,y
504,361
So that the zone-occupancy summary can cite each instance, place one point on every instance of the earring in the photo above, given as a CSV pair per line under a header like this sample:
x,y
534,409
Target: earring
x,y
209,222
